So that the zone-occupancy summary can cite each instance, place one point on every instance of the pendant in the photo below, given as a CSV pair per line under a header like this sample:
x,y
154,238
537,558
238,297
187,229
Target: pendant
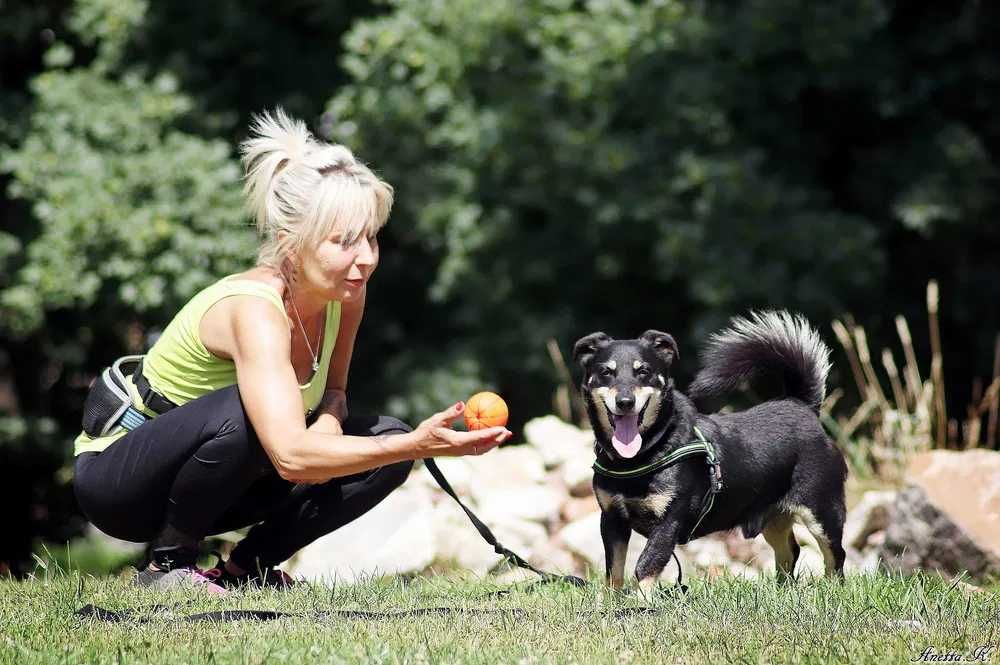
x,y
315,366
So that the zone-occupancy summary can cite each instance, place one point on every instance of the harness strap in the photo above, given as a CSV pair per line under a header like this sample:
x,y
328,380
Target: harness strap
x,y
701,446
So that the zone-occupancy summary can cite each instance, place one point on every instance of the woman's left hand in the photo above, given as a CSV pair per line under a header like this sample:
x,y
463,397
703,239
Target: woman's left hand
x,y
332,412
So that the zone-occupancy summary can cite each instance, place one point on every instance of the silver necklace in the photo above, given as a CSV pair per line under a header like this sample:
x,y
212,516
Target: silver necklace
x,y
315,356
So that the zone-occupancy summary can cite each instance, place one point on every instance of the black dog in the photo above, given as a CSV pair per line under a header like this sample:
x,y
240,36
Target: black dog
x,y
761,469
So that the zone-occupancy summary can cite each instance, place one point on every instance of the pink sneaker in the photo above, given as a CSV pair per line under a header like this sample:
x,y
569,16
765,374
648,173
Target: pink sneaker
x,y
269,578
178,578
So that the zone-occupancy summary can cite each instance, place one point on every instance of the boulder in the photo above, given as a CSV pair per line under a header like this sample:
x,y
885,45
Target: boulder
x,y
870,516
921,536
504,468
573,509
456,471
529,502
556,440
458,544
396,536
948,516
578,474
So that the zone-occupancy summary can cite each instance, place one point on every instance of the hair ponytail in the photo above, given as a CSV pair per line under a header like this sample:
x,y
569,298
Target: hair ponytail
x,y
299,190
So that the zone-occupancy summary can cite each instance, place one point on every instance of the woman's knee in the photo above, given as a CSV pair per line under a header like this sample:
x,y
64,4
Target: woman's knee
x,y
396,474
388,425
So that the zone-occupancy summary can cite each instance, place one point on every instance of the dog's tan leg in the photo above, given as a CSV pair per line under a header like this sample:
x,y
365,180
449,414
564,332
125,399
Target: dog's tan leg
x,y
807,519
778,534
616,573
615,533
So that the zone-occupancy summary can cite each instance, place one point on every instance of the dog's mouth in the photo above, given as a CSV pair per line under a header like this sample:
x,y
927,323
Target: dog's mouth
x,y
626,438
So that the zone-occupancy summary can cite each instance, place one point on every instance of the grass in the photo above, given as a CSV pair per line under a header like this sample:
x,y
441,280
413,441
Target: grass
x,y
866,619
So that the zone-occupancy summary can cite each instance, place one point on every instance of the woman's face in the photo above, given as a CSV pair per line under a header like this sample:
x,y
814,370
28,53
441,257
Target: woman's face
x,y
341,271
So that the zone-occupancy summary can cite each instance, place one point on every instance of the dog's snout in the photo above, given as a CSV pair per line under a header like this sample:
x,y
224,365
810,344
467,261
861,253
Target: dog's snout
x,y
625,402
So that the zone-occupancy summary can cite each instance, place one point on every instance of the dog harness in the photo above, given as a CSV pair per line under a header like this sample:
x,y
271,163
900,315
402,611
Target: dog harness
x,y
701,446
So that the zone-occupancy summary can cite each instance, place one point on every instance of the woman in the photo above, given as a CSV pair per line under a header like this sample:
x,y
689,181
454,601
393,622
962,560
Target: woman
x,y
245,389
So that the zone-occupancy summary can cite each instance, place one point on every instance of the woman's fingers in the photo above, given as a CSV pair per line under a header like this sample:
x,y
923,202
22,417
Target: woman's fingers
x,y
451,414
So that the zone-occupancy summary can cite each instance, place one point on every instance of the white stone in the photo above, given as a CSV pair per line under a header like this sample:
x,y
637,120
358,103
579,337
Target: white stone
x,y
456,471
708,553
556,440
578,474
870,515
396,536
458,543
533,502
505,468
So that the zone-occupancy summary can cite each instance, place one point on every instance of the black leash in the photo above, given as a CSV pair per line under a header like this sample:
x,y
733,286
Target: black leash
x,y
150,614
488,536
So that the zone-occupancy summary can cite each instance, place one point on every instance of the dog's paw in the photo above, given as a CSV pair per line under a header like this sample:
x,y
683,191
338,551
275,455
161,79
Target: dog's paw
x,y
656,590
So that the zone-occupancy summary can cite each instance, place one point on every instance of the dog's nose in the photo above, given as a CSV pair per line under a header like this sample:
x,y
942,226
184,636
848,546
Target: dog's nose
x,y
625,402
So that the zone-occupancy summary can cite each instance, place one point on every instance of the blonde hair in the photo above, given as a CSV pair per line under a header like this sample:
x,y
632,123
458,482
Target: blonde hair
x,y
300,190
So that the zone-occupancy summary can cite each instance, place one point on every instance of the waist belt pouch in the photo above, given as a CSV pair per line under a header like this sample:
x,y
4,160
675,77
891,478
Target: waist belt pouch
x,y
109,399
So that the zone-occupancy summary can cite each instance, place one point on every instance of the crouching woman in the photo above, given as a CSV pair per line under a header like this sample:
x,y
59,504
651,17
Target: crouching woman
x,y
238,416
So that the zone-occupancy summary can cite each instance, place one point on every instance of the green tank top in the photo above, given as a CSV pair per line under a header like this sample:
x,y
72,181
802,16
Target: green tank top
x,y
180,368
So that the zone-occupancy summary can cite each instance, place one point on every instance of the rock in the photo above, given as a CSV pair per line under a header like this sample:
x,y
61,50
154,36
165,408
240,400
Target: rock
x,y
531,502
456,471
966,487
948,516
753,552
552,557
744,571
920,536
578,475
869,516
505,468
520,536
458,543
396,536
557,441
863,562
708,552
573,508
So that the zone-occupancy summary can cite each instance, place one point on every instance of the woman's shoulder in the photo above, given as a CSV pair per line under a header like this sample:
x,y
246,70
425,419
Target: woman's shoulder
x,y
259,276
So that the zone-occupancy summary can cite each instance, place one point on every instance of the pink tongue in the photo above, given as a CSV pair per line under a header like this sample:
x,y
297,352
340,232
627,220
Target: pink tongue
x,y
626,438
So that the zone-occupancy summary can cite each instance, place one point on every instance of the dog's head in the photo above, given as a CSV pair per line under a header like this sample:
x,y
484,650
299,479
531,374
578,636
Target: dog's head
x,y
625,385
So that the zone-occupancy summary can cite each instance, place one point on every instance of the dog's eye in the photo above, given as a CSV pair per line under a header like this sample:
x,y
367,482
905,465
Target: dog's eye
x,y
642,372
606,371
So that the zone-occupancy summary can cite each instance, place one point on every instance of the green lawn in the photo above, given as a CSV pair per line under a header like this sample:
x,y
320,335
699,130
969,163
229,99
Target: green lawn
x,y
873,619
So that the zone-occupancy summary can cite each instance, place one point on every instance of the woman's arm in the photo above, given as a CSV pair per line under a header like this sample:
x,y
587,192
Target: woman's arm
x,y
258,341
332,411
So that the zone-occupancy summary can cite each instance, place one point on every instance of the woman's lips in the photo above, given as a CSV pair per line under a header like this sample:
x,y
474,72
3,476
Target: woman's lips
x,y
355,283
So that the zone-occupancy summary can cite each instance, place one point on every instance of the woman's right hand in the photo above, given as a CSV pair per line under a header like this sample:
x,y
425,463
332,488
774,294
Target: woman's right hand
x,y
435,437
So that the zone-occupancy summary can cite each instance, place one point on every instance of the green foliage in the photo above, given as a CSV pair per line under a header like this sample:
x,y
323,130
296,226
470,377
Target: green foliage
x,y
127,207
571,166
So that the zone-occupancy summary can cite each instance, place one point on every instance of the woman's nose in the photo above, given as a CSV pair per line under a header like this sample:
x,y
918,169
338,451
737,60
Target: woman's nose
x,y
366,254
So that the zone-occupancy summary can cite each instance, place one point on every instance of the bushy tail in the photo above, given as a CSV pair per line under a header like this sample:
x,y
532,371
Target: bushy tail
x,y
766,342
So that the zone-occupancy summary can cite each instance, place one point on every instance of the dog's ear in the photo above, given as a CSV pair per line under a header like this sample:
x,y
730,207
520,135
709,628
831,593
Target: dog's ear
x,y
586,347
662,343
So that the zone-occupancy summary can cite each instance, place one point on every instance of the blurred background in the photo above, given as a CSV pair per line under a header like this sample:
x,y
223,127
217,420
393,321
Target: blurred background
x,y
560,167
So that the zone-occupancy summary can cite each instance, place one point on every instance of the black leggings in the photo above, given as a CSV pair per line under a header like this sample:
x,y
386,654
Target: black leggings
x,y
200,470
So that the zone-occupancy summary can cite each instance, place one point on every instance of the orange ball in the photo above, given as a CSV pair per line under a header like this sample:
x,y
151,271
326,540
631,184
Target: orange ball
x,y
485,410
